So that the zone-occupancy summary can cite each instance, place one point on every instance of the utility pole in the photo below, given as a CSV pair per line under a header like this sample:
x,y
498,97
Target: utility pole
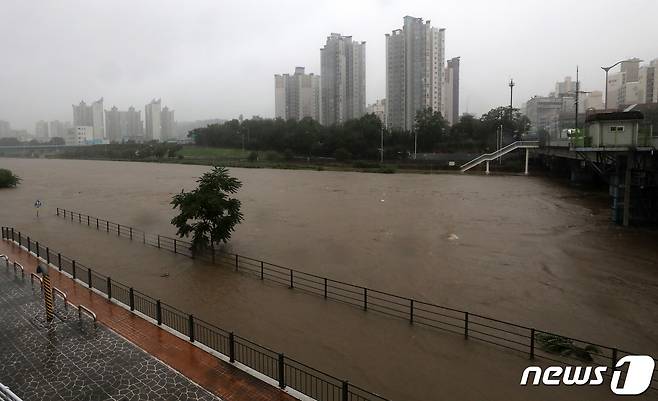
x,y
511,97
381,146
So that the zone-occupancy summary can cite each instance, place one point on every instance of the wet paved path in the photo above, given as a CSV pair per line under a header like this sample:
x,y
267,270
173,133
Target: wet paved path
x,y
106,351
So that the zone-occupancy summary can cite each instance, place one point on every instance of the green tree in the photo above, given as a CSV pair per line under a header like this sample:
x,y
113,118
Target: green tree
x,y
8,179
430,128
208,212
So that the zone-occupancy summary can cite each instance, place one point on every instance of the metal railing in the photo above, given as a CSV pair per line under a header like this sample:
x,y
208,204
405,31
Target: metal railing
x,y
286,371
500,152
528,341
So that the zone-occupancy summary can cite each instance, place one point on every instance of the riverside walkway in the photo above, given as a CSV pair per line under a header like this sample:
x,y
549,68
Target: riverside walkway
x,y
60,362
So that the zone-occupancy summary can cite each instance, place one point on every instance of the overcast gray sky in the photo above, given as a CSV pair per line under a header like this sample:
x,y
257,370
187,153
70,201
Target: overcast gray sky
x,y
217,58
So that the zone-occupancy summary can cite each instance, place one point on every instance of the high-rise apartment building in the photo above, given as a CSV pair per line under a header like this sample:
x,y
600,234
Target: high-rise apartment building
x,y
58,129
167,124
633,84
343,79
41,130
297,96
123,126
415,57
90,116
153,122
451,92
5,129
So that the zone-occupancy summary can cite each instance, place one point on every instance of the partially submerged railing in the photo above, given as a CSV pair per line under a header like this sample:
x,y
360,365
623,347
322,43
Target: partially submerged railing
x,y
280,369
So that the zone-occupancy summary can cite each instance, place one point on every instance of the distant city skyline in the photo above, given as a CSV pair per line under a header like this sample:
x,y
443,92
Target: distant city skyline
x,y
212,70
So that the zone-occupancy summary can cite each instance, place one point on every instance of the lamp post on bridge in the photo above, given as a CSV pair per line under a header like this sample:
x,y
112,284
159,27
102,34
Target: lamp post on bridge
x,y
606,69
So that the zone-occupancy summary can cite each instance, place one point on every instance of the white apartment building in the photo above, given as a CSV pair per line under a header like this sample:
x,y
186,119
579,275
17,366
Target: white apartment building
x,y
167,124
297,96
90,116
450,110
123,125
342,79
153,122
80,135
633,84
41,130
415,57
379,109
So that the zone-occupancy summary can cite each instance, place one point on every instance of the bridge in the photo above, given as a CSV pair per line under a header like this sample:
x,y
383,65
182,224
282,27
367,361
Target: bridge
x,y
615,147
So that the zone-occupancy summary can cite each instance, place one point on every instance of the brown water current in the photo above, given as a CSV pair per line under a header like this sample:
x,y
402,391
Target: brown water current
x,y
523,249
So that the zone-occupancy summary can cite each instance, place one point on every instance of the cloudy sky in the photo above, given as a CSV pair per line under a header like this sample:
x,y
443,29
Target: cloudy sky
x,y
217,58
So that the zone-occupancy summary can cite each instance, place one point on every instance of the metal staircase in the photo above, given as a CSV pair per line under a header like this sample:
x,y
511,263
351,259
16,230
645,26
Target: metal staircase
x,y
487,157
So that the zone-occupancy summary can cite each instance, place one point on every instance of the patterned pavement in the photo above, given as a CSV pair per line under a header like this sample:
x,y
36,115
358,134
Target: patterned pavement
x,y
69,360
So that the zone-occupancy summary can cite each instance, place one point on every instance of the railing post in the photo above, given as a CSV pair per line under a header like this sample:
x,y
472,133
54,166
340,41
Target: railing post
x,y
29,246
58,212
532,343
465,324
37,244
158,312
119,230
131,233
614,358
12,234
48,255
291,282
109,288
59,261
411,311
325,288
89,278
365,298
64,213
236,262
231,347
97,225
345,391
144,237
20,241
79,218
261,270
191,328
158,240
175,245
131,298
107,226
88,221
73,268
282,373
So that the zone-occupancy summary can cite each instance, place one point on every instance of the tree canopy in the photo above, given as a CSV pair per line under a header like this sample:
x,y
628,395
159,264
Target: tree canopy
x,y
8,179
361,138
208,212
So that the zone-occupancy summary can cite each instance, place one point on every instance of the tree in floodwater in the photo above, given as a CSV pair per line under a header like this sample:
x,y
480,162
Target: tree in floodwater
x,y
209,212
8,179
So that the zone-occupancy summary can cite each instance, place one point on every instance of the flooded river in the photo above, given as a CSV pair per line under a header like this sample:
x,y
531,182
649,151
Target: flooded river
x,y
523,249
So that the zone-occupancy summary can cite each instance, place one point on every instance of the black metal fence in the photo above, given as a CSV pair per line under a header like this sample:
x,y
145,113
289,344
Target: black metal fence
x,y
286,371
522,339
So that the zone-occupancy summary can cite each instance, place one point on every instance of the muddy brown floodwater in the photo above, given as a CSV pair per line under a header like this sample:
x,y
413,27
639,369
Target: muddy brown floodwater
x,y
523,249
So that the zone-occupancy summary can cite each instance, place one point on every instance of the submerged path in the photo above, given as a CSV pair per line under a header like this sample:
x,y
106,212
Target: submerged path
x,y
220,378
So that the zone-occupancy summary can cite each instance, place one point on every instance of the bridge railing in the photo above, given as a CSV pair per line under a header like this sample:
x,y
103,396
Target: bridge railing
x,y
524,340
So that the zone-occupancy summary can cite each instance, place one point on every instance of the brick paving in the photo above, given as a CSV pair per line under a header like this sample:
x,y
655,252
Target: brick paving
x,y
219,377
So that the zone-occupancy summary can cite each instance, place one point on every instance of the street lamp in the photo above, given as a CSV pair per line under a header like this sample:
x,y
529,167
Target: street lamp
x,y
606,69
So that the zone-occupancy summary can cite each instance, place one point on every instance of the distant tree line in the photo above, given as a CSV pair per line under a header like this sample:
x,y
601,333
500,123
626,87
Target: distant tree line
x,y
127,151
361,138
